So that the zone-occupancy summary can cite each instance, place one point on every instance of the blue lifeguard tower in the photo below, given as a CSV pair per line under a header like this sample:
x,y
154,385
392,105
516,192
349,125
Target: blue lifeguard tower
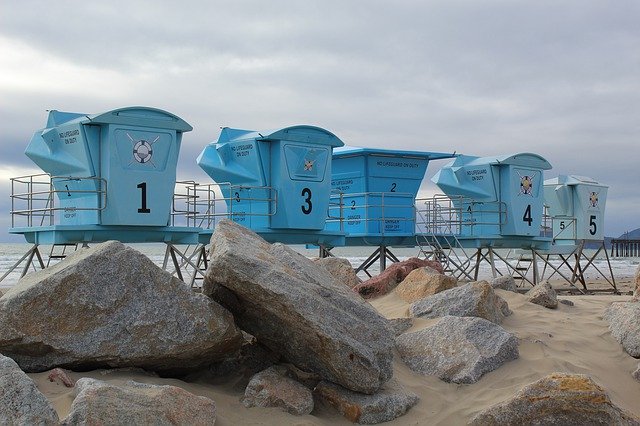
x,y
373,199
576,208
276,182
489,203
107,176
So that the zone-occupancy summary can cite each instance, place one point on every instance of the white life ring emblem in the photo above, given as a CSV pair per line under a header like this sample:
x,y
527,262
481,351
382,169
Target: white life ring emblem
x,y
142,151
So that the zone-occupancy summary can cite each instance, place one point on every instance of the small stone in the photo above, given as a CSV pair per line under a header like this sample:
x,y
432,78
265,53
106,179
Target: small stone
x,y
60,377
544,295
566,302
390,402
271,388
636,373
505,282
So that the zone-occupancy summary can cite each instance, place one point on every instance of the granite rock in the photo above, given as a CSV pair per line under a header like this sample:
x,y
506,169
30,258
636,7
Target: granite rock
x,y
424,282
624,323
476,299
544,295
505,282
341,270
389,403
110,306
21,403
98,402
272,388
458,349
389,279
557,399
296,308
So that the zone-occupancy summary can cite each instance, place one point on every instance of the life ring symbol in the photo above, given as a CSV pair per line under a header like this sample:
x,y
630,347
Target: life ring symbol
x,y
142,151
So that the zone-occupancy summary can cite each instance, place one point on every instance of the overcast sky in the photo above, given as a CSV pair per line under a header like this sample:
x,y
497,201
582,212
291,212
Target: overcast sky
x,y
558,78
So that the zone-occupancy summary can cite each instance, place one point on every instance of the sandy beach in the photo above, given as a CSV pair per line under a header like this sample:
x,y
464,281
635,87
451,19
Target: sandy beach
x,y
573,339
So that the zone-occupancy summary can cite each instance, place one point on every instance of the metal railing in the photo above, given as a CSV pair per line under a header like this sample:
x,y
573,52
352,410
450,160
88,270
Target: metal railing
x,y
33,198
203,205
383,212
444,215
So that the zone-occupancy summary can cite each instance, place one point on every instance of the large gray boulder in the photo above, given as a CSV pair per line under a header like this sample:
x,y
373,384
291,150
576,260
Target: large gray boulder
x,y
558,399
390,402
458,349
341,270
424,282
476,299
21,403
272,388
101,403
624,323
111,306
544,295
296,308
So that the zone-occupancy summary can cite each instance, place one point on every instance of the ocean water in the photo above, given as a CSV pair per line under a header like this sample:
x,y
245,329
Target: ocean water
x,y
622,267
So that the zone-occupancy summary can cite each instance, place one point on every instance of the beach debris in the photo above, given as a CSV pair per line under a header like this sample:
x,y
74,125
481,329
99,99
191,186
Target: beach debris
x,y
21,403
111,306
390,402
566,302
624,324
424,282
296,308
558,399
458,349
544,295
636,373
475,299
400,325
392,276
60,377
133,403
272,388
505,282
341,270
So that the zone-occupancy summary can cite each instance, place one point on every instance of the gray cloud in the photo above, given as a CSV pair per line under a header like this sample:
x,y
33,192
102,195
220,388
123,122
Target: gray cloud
x,y
561,79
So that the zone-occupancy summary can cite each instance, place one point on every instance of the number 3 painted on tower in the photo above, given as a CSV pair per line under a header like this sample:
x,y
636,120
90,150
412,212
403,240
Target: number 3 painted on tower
x,y
306,192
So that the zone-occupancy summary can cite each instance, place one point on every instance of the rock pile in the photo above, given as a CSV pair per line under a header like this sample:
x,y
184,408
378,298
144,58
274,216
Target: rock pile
x,y
392,276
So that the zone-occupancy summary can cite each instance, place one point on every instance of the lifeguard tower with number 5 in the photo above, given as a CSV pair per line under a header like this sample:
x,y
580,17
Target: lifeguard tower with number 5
x,y
107,176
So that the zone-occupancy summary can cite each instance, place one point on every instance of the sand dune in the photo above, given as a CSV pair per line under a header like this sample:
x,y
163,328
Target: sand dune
x,y
570,339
